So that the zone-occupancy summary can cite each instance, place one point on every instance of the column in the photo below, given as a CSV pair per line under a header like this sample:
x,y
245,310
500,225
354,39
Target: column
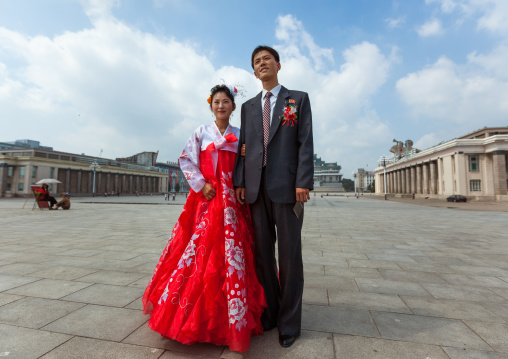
x,y
425,178
397,178
499,169
67,180
419,179
78,185
3,178
90,179
408,180
433,177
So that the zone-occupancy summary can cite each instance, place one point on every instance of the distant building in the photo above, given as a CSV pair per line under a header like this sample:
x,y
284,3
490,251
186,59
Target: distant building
x,y
23,164
363,179
474,165
175,175
327,174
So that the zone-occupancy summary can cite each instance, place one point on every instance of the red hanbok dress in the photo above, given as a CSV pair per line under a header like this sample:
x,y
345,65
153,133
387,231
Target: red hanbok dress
x,y
205,287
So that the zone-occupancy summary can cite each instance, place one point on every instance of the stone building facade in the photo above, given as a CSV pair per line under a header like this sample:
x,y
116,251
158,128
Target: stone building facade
x,y
327,174
474,165
362,180
22,167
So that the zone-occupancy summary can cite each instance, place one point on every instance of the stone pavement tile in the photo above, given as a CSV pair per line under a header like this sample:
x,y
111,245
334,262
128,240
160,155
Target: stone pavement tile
x,y
115,265
426,267
135,304
35,312
104,294
24,343
63,273
11,256
390,257
501,291
479,270
338,262
456,353
390,287
500,309
367,301
428,330
8,298
309,345
329,281
142,282
35,257
22,268
495,334
173,355
410,276
310,268
449,261
356,347
122,256
454,309
144,336
79,253
146,268
338,320
49,288
99,322
473,280
112,277
86,348
404,252
344,255
365,263
317,296
8,281
353,272
462,293
71,262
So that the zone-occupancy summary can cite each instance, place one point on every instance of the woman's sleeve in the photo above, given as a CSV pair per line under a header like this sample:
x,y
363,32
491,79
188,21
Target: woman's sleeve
x,y
189,162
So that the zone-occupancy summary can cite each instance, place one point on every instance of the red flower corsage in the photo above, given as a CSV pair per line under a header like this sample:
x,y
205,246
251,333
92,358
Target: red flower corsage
x,y
289,116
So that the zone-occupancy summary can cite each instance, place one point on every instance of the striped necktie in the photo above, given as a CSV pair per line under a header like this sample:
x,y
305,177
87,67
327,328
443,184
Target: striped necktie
x,y
266,124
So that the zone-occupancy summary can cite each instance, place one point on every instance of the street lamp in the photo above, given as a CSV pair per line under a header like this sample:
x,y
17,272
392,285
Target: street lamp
x,y
354,179
382,162
94,165
173,183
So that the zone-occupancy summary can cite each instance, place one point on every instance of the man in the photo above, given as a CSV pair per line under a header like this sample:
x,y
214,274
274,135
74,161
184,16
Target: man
x,y
275,177
65,203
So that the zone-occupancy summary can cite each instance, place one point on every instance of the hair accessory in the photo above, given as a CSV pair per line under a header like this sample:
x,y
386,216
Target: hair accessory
x,y
235,89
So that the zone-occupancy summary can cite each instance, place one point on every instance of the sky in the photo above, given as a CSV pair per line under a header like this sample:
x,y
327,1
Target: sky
x,y
127,76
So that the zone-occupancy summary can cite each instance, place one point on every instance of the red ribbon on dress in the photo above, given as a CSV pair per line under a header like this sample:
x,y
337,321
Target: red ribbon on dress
x,y
225,143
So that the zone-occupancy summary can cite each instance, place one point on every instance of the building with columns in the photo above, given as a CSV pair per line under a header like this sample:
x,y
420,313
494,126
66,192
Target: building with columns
x,y
474,165
22,166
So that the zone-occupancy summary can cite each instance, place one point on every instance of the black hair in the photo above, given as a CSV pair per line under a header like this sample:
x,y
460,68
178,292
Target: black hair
x,y
260,48
221,88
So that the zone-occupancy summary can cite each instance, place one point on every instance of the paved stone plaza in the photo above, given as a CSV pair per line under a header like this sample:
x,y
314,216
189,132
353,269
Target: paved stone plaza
x,y
382,280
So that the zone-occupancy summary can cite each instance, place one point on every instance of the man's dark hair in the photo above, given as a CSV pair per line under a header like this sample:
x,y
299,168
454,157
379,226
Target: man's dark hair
x,y
260,48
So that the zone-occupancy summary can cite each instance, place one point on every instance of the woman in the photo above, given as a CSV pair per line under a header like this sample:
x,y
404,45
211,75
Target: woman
x,y
45,196
205,288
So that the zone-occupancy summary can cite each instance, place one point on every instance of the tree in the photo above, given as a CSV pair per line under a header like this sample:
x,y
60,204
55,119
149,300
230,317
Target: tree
x,y
177,187
372,187
348,185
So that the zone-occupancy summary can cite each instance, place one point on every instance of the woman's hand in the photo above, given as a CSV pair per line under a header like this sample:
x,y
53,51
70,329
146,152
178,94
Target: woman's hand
x,y
242,151
208,191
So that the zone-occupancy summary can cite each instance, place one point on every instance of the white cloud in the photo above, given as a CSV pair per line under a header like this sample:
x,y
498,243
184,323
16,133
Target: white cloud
x,y
451,93
430,28
426,141
395,23
491,15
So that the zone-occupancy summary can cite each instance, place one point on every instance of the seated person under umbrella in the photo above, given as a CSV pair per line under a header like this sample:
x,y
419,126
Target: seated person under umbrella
x,y
45,196
65,203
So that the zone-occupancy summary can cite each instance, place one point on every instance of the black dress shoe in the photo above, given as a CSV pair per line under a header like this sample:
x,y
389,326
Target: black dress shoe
x,y
286,340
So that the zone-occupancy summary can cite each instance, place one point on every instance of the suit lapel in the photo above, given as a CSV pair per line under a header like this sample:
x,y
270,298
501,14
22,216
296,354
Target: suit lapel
x,y
256,115
278,111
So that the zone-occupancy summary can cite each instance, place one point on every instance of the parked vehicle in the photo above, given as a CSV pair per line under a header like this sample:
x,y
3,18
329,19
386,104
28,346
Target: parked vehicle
x,y
457,198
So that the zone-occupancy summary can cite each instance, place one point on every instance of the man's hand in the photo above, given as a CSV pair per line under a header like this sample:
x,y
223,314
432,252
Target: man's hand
x,y
240,195
302,195
208,191
242,151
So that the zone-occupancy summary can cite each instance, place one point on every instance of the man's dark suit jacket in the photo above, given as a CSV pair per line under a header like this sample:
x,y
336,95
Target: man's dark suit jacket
x,y
290,154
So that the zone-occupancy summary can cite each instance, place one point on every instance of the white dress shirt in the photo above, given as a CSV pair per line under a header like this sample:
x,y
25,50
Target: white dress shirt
x,y
273,99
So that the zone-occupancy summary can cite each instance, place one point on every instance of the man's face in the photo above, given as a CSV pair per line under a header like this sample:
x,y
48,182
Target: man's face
x,y
265,66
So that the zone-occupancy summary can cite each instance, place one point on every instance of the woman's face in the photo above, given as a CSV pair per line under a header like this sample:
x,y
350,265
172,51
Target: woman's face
x,y
222,106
